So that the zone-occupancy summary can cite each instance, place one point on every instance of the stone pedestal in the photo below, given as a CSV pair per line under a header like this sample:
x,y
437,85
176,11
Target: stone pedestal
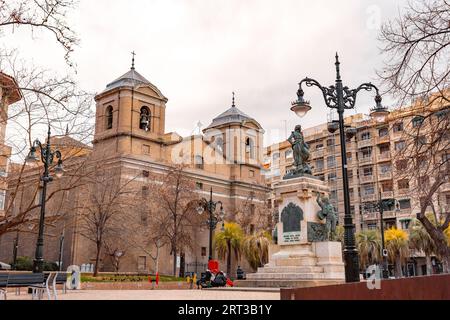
x,y
302,256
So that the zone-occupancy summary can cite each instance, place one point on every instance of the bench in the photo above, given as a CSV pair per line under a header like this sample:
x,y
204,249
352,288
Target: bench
x,y
35,281
3,284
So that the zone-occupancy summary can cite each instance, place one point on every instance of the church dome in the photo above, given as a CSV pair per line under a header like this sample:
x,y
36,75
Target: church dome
x,y
130,79
232,115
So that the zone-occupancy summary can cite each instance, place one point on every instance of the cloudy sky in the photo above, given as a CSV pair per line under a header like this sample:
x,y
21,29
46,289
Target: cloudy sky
x,y
198,51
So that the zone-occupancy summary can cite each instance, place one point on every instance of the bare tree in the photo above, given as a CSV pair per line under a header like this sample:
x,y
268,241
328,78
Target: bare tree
x,y
417,47
107,200
48,16
24,192
254,215
116,248
48,99
174,196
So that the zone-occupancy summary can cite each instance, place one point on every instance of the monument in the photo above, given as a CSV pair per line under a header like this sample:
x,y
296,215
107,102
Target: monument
x,y
304,253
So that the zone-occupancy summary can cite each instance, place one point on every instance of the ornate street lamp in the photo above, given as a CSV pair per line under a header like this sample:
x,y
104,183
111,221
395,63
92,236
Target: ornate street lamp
x,y
210,207
61,247
341,98
47,157
15,248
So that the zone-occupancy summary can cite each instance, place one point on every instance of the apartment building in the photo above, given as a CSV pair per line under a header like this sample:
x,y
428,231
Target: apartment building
x,y
374,171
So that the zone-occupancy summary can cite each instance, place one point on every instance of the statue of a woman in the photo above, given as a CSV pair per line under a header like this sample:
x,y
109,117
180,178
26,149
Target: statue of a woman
x,y
300,150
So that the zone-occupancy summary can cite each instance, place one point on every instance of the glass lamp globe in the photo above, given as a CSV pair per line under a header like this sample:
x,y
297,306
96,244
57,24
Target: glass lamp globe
x,y
300,107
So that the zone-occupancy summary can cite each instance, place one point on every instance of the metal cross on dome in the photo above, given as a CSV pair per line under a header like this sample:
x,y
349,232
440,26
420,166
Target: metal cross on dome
x,y
132,60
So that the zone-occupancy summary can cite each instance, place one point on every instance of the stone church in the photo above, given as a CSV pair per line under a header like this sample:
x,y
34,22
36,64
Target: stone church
x,y
130,135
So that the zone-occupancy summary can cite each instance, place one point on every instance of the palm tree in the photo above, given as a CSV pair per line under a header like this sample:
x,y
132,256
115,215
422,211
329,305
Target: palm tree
x,y
229,241
256,248
397,246
421,240
368,244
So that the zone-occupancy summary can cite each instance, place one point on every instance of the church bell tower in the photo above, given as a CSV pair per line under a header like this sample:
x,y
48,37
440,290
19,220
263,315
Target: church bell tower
x,y
130,117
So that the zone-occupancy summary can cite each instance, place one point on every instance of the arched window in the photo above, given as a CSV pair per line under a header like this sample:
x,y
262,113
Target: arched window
x,y
109,117
250,147
219,144
144,119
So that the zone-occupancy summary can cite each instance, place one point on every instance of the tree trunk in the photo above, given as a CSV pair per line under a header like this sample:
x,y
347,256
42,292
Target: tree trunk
x,y
229,258
398,267
446,263
174,262
97,259
157,260
429,266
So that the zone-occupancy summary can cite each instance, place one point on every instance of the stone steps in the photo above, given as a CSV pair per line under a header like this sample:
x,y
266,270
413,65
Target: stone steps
x,y
291,269
287,276
285,283
296,262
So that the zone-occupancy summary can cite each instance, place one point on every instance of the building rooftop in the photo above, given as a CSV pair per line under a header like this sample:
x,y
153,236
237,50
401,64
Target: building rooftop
x,y
232,115
132,79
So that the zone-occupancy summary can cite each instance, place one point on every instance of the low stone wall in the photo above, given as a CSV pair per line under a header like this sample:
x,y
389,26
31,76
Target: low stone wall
x,y
134,286
436,287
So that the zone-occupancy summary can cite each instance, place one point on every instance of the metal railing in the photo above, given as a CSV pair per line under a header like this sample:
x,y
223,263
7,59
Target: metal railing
x,y
384,156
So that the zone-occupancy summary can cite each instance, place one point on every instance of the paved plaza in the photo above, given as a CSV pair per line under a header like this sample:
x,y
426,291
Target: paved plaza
x,y
157,295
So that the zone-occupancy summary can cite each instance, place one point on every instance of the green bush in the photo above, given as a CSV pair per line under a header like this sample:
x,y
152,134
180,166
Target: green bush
x,y
50,266
26,264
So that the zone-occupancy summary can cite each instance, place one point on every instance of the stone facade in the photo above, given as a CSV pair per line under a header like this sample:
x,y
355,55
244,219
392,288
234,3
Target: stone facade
x,y
130,141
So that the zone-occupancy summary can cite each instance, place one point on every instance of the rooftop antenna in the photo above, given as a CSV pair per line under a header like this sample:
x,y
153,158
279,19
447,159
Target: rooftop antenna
x,y
132,60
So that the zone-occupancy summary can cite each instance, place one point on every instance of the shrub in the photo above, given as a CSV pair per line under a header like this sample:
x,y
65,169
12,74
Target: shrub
x,y
24,264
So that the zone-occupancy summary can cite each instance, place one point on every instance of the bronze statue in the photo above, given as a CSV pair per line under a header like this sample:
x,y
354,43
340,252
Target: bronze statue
x,y
300,151
329,213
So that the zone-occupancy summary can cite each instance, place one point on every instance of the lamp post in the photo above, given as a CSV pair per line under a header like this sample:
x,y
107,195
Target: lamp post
x,y
47,157
341,98
210,206
15,248
61,245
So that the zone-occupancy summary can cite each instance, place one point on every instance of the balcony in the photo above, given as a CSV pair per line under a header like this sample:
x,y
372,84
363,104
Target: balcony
x,y
317,153
385,156
365,159
365,143
366,179
402,192
404,212
387,194
385,176
389,214
368,197
380,140
370,216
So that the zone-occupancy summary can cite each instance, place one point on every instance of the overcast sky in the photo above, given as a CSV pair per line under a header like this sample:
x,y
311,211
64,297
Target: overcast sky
x,y
198,51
